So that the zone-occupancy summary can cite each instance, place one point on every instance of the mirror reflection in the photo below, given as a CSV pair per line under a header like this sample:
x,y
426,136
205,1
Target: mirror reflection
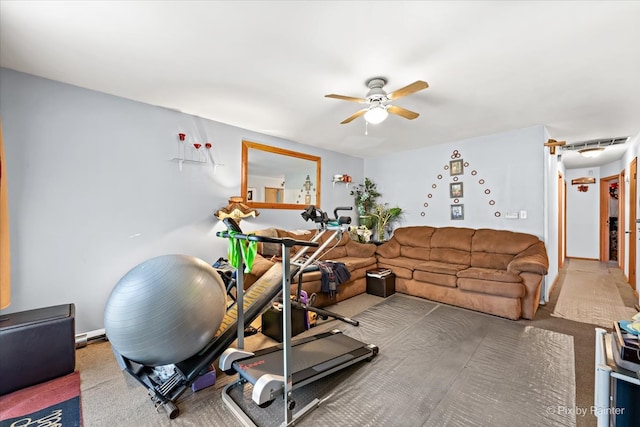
x,y
279,179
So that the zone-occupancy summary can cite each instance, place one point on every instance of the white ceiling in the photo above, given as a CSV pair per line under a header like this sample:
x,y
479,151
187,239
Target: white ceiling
x,y
266,65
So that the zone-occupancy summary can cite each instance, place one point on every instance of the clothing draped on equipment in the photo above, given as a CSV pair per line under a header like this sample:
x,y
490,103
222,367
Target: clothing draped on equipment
x,y
333,274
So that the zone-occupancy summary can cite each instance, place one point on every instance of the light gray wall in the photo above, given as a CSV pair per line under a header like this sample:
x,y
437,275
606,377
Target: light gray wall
x,y
515,169
510,163
583,208
93,192
583,215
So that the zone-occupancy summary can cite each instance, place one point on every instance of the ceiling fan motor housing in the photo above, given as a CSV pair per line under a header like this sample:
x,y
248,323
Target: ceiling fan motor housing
x,y
379,102
376,93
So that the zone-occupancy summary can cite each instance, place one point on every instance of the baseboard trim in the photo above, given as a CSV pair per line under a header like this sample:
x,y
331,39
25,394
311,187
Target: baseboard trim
x,y
583,259
88,337
553,285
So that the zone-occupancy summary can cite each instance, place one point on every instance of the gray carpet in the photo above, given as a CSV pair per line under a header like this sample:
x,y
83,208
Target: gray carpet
x,y
590,295
440,365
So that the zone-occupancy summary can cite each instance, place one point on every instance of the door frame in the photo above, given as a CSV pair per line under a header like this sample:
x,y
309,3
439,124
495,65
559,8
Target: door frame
x,y
604,219
622,194
633,225
562,218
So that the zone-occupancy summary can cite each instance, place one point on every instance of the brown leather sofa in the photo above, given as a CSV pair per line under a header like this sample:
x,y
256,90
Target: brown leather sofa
x,y
357,257
494,271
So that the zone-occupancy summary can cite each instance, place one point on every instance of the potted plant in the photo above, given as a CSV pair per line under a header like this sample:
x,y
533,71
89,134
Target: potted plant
x,y
360,234
365,197
385,217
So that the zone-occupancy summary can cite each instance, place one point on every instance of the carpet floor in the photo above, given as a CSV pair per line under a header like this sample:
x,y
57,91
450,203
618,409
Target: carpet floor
x,y
440,365
110,397
589,295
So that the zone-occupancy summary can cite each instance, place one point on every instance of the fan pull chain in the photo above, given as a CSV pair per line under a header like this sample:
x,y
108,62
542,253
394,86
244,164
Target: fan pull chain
x,y
366,128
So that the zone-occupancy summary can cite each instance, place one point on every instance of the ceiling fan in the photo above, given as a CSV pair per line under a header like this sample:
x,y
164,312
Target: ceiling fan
x,y
379,101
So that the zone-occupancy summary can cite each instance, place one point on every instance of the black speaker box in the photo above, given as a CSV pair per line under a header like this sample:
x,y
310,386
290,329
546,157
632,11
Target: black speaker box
x,y
36,346
272,322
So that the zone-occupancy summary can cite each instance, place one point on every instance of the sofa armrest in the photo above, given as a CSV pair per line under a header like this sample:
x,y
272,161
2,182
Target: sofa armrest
x,y
360,250
390,249
532,260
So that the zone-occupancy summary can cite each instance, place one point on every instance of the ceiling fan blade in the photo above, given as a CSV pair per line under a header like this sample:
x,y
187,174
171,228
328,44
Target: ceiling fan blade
x,y
354,116
409,89
407,114
346,98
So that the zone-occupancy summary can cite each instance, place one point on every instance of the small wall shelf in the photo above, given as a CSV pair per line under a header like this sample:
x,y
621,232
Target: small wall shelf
x,y
196,156
194,162
189,161
341,179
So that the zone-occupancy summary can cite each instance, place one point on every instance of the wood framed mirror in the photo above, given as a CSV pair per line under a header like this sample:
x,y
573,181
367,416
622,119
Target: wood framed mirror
x,y
276,178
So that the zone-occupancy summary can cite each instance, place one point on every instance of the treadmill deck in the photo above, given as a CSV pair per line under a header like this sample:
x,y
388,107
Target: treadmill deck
x,y
310,357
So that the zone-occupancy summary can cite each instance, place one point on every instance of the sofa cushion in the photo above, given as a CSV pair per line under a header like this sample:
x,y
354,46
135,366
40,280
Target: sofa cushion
x,y
439,267
497,248
399,266
355,263
268,250
331,253
452,245
490,274
334,249
415,242
360,250
435,278
418,236
403,262
490,260
422,254
390,249
532,260
502,241
503,289
298,235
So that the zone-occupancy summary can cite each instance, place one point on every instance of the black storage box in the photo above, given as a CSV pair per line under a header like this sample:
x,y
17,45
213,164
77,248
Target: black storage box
x,y
272,322
381,286
36,346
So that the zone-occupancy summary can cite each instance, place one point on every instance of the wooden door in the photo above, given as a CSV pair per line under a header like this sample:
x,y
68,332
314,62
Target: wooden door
x,y
633,225
5,261
621,221
605,230
273,195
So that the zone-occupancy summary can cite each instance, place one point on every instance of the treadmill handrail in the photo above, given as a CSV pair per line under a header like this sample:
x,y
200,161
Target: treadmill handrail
x,y
288,242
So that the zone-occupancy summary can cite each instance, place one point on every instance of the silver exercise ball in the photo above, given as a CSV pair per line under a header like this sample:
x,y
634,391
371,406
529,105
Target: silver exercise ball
x,y
165,309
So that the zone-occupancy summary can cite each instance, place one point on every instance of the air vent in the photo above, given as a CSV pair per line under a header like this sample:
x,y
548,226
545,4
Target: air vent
x,y
594,143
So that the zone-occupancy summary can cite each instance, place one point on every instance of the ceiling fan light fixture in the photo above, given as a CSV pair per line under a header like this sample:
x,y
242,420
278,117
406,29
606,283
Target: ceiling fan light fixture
x,y
591,152
376,114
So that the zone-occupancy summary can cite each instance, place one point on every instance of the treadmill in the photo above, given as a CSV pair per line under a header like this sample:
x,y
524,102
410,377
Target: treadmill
x,y
279,370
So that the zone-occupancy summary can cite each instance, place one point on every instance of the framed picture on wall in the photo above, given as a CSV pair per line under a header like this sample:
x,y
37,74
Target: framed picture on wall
x,y
456,167
457,211
251,192
456,190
